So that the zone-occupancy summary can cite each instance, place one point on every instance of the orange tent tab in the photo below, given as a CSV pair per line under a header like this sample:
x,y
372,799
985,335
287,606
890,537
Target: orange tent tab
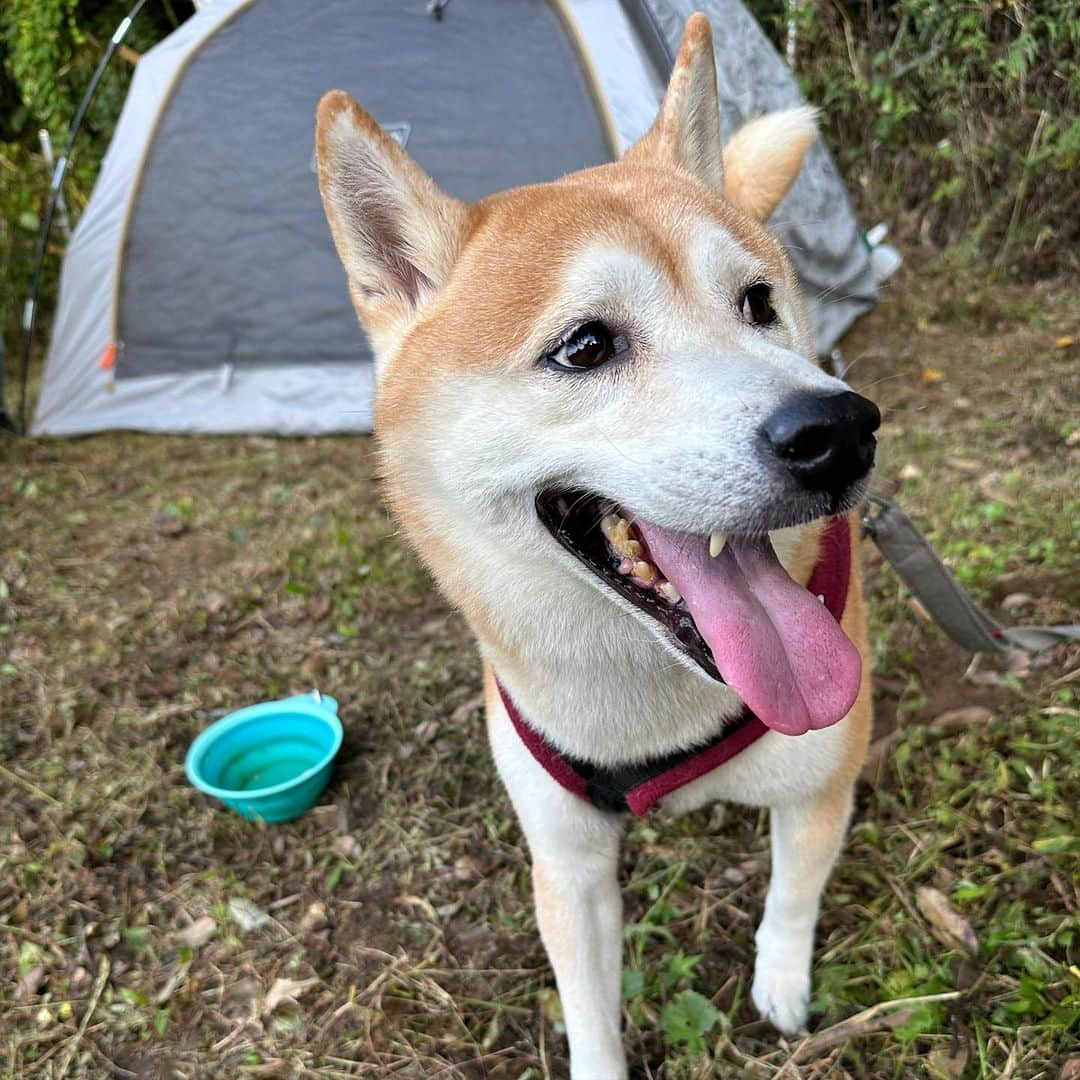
x,y
108,358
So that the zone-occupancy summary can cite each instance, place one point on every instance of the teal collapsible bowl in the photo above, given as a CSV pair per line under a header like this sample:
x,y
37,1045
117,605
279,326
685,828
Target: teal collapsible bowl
x,y
270,762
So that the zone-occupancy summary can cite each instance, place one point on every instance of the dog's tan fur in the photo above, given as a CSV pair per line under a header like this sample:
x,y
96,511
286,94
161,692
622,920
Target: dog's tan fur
x,y
459,300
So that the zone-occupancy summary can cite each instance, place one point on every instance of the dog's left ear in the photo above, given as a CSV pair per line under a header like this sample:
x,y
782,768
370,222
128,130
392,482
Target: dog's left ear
x,y
756,169
686,132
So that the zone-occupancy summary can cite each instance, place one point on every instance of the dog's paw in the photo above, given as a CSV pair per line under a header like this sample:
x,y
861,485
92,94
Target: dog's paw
x,y
782,994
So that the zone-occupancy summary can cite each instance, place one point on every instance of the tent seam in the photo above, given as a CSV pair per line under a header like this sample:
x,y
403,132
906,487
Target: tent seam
x,y
592,78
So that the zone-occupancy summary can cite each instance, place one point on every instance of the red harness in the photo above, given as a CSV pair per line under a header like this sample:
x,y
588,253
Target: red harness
x,y
639,787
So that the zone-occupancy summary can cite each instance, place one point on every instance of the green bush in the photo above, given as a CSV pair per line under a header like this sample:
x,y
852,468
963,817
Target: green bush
x,y
48,52
959,120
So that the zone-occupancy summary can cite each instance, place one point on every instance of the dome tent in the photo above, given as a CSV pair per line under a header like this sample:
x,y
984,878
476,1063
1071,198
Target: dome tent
x,y
200,290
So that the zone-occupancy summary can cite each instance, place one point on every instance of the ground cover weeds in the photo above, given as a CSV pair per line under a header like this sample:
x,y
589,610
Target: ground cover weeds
x,y
148,584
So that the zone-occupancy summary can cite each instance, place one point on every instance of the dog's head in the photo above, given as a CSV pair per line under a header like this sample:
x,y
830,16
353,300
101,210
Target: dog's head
x,y
626,344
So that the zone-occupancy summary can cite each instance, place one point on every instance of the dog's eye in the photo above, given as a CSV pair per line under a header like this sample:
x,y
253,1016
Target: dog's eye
x,y
589,346
756,306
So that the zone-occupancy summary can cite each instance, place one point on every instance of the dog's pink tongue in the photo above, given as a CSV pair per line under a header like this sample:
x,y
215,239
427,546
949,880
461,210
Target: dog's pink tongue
x,y
773,642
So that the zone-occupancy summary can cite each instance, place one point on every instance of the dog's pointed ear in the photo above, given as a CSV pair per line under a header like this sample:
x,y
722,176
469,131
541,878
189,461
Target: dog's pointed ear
x,y
686,132
397,234
764,157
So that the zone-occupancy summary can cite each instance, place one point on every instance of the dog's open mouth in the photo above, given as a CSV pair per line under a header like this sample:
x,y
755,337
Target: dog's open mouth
x,y
725,601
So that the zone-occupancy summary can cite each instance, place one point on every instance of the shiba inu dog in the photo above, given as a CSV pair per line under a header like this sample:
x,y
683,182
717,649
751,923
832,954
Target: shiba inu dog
x,y
603,429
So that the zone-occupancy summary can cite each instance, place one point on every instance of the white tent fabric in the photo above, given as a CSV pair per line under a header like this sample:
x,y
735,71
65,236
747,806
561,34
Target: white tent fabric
x,y
82,392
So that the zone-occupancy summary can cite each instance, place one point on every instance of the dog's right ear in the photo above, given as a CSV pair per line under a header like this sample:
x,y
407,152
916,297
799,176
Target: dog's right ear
x,y
397,234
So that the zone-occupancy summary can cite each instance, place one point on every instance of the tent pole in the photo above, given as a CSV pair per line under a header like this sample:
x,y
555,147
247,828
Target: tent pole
x,y
7,424
29,320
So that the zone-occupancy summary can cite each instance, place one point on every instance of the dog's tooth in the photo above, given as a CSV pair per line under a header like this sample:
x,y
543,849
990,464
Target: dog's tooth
x,y
717,540
633,548
609,524
669,592
644,571
821,598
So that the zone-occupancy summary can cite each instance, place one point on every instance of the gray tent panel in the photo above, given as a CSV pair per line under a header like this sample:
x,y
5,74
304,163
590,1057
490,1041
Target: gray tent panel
x,y
228,258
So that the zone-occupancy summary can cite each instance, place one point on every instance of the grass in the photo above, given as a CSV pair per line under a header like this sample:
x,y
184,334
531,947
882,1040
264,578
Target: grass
x,y
149,584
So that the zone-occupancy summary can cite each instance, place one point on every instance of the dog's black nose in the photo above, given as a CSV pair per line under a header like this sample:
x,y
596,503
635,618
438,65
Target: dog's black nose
x,y
826,442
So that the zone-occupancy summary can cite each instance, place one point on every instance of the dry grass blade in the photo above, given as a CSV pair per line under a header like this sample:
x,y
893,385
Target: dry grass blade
x,y
95,997
948,925
867,1022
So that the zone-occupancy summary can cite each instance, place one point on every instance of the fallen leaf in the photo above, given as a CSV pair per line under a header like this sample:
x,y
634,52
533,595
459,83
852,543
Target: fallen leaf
x,y
348,847
175,980
944,879
949,1061
1018,663
966,466
313,667
966,976
198,933
425,731
989,487
30,983
419,902
466,709
1064,341
932,375
948,924
318,607
466,868
550,1005
987,678
248,916
314,918
285,992
215,602
910,471
852,1028
1015,601
1071,1069
962,718
168,524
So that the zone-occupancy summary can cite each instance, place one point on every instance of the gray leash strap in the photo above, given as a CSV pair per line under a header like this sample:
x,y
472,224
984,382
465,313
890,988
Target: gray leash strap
x,y
921,569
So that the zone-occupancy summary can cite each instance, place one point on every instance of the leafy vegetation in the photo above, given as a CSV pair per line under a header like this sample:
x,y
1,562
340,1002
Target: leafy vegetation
x,y
960,121
48,52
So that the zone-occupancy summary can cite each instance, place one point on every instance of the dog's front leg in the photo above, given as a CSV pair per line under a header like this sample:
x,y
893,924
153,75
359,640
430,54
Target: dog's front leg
x,y
575,851
579,910
806,838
